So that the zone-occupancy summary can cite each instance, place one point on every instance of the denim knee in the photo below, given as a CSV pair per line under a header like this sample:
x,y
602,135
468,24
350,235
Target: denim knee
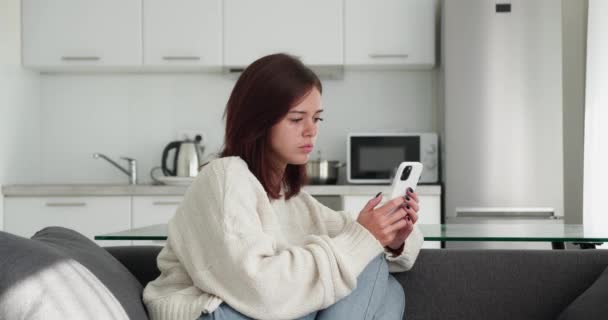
x,y
395,294
376,266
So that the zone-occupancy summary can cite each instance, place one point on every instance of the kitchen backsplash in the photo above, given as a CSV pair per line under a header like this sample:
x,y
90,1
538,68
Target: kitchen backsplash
x,y
137,114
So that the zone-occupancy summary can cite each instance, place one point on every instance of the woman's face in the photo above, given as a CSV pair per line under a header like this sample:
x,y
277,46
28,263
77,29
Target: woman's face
x,y
293,137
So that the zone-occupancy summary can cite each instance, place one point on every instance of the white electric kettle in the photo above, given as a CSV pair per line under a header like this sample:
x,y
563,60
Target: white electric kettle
x,y
187,159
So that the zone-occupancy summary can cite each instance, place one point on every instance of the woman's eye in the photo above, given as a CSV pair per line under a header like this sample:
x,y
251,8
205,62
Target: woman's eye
x,y
298,120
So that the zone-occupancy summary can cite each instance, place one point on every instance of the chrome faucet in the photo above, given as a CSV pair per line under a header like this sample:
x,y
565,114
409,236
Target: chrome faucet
x,y
131,171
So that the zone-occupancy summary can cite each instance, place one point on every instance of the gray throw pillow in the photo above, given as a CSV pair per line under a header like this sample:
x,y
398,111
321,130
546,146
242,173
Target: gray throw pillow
x,y
591,304
61,274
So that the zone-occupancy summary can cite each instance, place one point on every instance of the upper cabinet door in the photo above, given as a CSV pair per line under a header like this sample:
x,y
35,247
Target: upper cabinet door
x,y
81,33
183,33
390,32
311,30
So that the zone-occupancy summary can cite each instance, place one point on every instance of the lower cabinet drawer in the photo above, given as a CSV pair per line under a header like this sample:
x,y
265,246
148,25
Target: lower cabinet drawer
x,y
150,210
90,216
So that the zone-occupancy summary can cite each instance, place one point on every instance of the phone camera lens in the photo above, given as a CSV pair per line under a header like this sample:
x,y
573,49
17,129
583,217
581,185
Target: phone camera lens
x,y
406,173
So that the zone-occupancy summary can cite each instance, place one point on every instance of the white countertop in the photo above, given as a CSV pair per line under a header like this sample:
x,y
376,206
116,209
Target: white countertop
x,y
68,190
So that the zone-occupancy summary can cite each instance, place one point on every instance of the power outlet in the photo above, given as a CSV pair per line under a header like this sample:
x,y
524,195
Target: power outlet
x,y
191,135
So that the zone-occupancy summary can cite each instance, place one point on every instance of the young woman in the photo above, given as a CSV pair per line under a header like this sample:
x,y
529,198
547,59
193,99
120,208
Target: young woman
x,y
248,243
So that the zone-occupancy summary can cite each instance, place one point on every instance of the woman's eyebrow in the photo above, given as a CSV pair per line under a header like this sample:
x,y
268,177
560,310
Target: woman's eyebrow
x,y
304,112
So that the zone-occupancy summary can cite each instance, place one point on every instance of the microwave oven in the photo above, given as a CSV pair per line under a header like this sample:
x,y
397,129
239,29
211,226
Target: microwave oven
x,y
372,158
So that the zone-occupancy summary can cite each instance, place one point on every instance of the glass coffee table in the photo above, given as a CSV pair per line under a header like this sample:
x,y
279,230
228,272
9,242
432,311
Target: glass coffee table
x,y
557,234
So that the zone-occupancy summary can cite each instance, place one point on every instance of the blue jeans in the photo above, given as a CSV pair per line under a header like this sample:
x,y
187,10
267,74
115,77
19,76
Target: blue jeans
x,y
378,296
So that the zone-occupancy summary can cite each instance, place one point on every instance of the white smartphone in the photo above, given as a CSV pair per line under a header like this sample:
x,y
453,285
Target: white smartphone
x,y
406,176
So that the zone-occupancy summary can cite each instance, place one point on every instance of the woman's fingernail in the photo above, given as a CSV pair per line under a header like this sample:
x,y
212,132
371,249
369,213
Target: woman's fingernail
x,y
408,206
410,190
379,193
407,198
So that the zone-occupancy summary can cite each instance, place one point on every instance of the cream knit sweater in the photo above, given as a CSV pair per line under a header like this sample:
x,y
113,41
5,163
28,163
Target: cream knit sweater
x,y
268,259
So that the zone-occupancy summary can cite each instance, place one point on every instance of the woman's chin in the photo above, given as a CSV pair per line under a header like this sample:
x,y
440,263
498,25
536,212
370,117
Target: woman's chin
x,y
300,160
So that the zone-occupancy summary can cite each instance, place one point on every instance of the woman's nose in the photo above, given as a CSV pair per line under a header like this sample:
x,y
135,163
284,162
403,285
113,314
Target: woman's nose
x,y
311,128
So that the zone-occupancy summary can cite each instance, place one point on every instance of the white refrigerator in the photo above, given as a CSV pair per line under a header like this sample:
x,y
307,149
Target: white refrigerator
x,y
501,75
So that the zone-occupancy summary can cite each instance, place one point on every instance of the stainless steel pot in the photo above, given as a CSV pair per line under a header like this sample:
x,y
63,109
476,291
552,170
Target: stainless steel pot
x,y
323,171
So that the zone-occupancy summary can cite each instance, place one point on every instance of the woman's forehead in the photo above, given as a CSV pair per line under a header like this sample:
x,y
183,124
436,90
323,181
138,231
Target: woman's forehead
x,y
311,102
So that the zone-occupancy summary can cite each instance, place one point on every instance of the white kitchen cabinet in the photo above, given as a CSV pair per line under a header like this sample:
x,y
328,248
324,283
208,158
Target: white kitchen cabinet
x,y
149,210
182,33
311,30
81,33
90,216
390,32
429,213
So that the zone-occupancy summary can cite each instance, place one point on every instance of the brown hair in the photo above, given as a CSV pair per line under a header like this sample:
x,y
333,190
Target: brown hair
x,y
261,97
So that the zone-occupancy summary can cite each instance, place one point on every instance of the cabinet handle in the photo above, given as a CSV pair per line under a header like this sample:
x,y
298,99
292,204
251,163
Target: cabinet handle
x,y
165,203
65,204
80,58
388,55
169,58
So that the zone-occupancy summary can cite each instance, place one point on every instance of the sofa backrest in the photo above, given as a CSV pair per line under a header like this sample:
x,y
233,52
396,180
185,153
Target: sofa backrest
x,y
498,284
466,284
140,260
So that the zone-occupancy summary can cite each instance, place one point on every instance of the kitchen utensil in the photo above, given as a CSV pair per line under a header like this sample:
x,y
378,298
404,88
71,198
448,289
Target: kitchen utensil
x,y
176,181
187,159
322,171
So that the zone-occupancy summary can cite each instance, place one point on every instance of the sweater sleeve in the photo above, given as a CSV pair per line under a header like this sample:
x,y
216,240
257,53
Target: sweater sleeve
x,y
336,220
405,261
219,236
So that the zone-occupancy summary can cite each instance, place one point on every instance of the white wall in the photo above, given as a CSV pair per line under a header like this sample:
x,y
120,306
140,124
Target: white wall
x,y
138,114
19,107
595,208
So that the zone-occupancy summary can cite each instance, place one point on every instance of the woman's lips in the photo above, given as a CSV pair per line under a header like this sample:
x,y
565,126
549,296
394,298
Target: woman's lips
x,y
307,148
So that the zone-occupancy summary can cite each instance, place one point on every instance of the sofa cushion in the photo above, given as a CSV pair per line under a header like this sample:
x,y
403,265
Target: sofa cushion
x,y
61,274
591,304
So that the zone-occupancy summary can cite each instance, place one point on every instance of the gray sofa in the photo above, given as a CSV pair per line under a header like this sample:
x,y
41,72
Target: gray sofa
x,y
467,284
61,274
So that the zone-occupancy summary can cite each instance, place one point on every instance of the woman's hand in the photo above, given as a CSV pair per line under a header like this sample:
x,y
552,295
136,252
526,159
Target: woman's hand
x,y
383,224
411,208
